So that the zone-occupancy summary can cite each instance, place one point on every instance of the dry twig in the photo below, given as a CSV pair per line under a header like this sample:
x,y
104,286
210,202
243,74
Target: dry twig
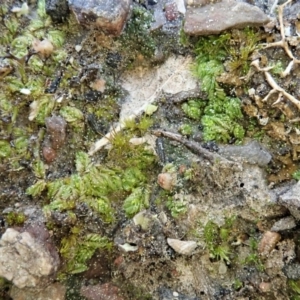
x,y
275,87
283,43
196,148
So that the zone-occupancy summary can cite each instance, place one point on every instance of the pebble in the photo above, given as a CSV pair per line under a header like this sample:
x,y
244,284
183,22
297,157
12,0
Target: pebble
x,y
25,260
56,129
227,14
252,153
171,11
284,224
268,242
49,154
182,247
291,200
109,16
167,181
106,291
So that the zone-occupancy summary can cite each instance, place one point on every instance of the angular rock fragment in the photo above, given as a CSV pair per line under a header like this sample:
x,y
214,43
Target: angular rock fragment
x,y
182,247
291,200
107,15
25,260
268,242
106,291
217,17
252,153
284,224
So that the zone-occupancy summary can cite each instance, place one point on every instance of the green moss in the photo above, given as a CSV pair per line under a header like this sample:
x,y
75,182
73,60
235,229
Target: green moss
x,y
15,219
77,249
222,116
194,108
294,289
296,175
186,129
137,37
217,239
253,258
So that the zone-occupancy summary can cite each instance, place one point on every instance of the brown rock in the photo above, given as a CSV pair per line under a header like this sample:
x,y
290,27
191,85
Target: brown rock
x,y
268,242
56,129
217,17
106,291
167,180
107,15
49,154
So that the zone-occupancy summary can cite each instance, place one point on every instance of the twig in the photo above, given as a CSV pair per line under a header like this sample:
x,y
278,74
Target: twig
x,y
283,43
275,87
194,147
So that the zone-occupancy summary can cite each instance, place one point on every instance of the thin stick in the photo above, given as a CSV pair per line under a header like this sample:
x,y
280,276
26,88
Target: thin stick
x,y
194,147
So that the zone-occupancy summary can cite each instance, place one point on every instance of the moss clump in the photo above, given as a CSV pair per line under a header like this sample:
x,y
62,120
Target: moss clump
x,y
15,218
221,115
137,38
217,239
77,249
253,258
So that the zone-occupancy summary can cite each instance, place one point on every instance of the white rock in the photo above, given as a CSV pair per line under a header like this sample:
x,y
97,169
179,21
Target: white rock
x,y
24,259
182,247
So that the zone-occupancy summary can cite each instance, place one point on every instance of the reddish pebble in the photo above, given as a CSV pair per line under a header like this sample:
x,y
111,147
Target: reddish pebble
x,y
118,261
171,11
56,128
49,154
106,291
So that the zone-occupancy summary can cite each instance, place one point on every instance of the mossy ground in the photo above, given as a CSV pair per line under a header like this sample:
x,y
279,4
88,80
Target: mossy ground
x,y
85,198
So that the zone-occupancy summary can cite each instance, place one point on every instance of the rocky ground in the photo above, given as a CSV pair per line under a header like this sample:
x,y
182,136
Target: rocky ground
x,y
149,149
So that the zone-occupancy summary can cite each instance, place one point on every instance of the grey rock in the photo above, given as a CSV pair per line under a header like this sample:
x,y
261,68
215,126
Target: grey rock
x,y
292,271
284,224
58,10
217,17
291,200
252,153
107,15
24,260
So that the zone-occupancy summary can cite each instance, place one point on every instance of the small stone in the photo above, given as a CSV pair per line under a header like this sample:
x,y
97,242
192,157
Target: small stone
x,y
265,287
217,17
49,154
56,128
167,180
182,247
26,260
268,242
284,224
291,200
171,11
106,291
107,15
